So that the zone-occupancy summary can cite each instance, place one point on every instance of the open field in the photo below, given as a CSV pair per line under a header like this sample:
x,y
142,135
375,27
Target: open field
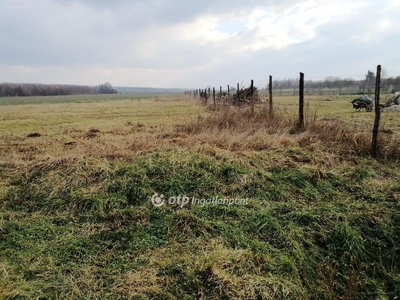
x,y
80,98
76,177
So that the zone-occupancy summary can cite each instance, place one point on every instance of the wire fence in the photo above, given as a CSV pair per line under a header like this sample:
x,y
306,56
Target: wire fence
x,y
313,85
240,94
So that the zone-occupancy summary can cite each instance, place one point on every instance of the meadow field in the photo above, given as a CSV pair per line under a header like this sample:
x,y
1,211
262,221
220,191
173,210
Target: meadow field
x,y
77,175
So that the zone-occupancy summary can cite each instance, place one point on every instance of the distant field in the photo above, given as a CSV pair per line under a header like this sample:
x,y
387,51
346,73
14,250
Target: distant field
x,y
78,98
77,174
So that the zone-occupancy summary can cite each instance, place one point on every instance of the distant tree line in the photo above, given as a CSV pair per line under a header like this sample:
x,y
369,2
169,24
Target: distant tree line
x,y
25,90
341,85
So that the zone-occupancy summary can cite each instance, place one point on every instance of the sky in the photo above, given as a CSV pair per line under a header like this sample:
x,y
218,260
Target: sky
x,y
195,44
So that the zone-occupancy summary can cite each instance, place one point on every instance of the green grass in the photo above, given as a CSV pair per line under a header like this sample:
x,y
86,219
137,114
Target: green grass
x,y
77,223
311,241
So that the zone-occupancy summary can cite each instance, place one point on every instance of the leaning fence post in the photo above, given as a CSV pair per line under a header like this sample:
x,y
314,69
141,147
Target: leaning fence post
x,y
301,101
374,150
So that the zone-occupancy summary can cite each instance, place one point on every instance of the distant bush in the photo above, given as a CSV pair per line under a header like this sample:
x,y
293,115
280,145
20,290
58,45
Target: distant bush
x,y
106,88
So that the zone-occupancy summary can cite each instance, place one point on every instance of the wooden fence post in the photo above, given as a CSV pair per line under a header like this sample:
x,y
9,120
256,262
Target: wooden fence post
x,y
271,107
220,93
252,95
238,100
301,102
374,150
214,96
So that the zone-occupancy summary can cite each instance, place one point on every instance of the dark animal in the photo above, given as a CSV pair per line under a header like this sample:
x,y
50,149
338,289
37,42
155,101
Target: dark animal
x,y
362,103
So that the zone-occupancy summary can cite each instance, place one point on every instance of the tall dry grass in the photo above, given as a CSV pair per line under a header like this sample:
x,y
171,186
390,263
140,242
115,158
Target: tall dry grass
x,y
246,129
224,128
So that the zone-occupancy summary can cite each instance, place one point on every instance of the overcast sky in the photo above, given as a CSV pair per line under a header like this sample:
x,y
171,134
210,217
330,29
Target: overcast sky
x,y
194,44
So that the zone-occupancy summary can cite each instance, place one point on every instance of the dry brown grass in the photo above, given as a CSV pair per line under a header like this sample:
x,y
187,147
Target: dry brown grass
x,y
124,130
240,129
111,129
224,132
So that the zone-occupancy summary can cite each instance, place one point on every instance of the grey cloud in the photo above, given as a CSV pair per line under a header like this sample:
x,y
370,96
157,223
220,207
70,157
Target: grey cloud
x,y
175,11
135,35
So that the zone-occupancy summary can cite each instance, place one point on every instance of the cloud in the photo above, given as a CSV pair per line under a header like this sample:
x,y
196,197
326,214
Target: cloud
x,y
176,43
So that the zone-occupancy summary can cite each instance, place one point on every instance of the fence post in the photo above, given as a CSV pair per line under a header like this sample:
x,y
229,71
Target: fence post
x,y
374,150
214,96
301,102
220,93
238,100
252,95
271,107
